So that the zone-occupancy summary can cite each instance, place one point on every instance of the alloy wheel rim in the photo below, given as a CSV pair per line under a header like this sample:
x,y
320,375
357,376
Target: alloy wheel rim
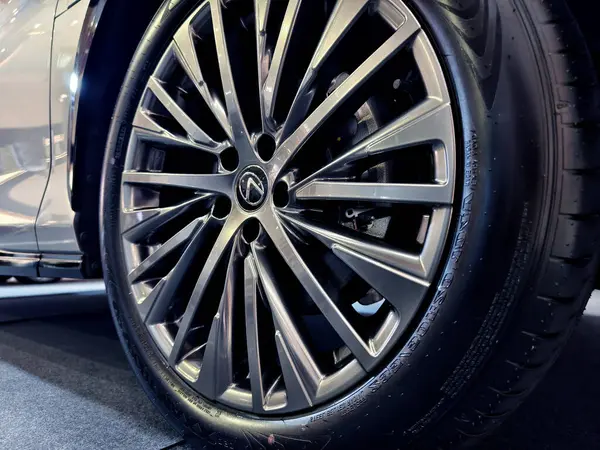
x,y
272,281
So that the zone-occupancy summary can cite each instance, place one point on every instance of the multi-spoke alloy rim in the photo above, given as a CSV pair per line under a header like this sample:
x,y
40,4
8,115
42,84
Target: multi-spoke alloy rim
x,y
286,197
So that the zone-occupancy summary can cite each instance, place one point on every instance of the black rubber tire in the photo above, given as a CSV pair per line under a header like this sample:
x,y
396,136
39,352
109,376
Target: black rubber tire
x,y
520,263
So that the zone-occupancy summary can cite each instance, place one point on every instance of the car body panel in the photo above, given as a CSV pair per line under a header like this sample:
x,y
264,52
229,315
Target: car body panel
x,y
63,5
43,49
25,44
55,230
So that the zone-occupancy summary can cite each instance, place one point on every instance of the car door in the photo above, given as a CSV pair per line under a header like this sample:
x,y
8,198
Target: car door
x,y
54,228
25,43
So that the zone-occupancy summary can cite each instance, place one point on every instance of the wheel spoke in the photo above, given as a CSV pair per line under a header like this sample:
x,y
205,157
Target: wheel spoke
x,y
343,16
138,224
359,77
190,127
271,85
241,137
185,52
403,291
426,194
221,247
180,238
430,69
261,8
154,298
252,343
432,248
215,183
300,372
314,289
147,130
216,374
404,262
428,122
154,307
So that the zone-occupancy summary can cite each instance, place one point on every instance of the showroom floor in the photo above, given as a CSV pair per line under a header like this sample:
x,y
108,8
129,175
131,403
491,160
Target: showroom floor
x,y
65,383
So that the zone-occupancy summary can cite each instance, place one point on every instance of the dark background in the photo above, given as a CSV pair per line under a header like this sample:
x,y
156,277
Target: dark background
x,y
65,383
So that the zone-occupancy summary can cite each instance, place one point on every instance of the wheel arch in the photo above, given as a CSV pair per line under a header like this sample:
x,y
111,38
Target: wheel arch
x,y
109,38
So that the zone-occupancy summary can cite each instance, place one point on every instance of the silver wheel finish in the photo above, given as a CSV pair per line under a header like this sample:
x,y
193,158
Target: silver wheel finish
x,y
227,232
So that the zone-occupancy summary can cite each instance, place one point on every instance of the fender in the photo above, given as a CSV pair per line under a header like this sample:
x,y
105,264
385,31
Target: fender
x,y
90,25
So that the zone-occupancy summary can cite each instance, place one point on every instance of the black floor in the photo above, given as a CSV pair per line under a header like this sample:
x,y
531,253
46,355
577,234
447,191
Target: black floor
x,y
64,383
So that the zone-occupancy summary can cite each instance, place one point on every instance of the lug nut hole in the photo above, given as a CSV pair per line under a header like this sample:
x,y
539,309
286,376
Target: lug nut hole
x,y
251,230
221,208
281,195
265,146
230,159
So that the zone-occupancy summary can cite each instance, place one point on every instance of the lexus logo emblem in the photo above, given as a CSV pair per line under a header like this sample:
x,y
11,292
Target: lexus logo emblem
x,y
252,187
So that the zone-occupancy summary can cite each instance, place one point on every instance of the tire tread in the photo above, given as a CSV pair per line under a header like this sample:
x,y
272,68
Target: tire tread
x,y
550,317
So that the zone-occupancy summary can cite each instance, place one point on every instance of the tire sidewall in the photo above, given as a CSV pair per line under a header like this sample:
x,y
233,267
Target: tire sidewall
x,y
495,245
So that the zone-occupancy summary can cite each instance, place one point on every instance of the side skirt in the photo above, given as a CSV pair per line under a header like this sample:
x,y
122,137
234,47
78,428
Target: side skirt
x,y
41,265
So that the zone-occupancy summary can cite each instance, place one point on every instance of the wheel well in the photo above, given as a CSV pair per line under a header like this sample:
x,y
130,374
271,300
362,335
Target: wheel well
x,y
118,33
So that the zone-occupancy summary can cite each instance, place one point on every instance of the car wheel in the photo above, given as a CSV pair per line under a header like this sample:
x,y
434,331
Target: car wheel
x,y
357,225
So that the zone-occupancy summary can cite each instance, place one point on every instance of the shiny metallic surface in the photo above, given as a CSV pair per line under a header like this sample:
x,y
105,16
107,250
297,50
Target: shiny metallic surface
x,y
271,84
184,51
267,257
25,43
13,263
240,136
62,266
54,227
261,8
63,5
